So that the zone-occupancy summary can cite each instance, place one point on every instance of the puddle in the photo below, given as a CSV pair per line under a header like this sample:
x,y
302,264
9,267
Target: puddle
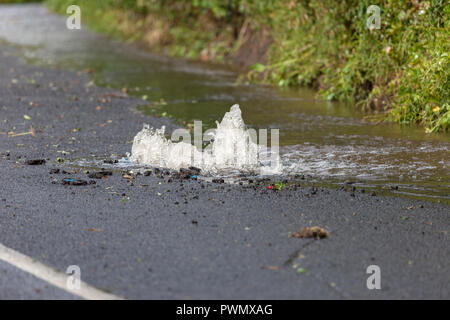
x,y
329,141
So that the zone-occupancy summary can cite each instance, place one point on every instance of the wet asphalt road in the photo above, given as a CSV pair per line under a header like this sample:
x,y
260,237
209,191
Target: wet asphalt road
x,y
187,239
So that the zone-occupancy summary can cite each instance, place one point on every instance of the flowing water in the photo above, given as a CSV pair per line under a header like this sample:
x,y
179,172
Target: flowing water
x,y
329,141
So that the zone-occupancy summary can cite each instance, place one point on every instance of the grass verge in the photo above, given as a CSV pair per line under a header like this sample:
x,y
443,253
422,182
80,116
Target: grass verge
x,y
401,69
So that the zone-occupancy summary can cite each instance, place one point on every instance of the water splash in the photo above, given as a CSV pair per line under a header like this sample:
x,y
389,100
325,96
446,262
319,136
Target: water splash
x,y
233,148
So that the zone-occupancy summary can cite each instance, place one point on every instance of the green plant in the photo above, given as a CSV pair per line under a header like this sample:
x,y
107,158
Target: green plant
x,y
402,69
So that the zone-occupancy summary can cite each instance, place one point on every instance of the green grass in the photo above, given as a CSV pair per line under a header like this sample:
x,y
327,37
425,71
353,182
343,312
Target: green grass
x,y
401,70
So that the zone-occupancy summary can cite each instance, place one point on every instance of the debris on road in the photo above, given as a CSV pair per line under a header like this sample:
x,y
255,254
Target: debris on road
x,y
147,173
58,171
127,176
13,134
279,186
273,268
76,182
110,161
35,162
100,174
191,172
195,170
301,270
311,232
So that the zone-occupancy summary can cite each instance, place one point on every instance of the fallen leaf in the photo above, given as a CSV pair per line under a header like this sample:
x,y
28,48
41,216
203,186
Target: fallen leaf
x,y
301,270
311,232
273,268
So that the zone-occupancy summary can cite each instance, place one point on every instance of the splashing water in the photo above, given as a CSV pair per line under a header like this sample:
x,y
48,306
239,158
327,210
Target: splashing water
x,y
233,148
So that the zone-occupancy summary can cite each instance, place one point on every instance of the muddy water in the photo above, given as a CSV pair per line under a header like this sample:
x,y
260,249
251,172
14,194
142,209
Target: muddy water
x,y
329,141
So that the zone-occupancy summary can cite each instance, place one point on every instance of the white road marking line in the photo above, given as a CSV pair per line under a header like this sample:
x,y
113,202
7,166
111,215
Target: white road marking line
x,y
50,275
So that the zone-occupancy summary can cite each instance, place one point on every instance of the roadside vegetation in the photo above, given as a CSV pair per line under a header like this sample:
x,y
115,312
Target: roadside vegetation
x,y
401,71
